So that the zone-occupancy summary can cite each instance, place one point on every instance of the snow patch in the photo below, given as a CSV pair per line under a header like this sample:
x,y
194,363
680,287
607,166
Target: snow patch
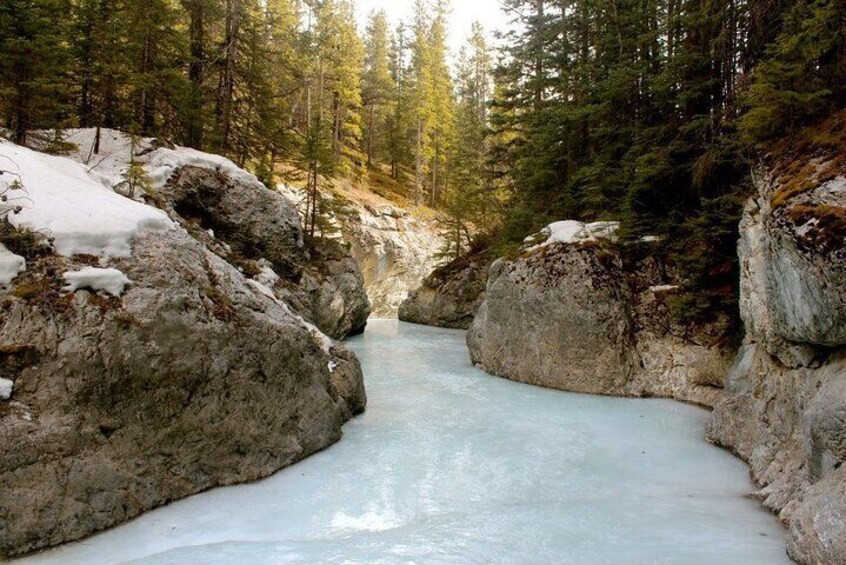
x,y
572,231
6,389
109,280
162,163
82,215
11,265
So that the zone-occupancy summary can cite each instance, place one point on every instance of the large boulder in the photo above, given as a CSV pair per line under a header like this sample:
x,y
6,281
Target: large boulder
x,y
785,405
557,317
194,378
451,295
576,313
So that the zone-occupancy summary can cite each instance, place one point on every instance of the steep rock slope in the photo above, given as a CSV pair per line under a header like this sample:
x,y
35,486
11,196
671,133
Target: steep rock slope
x,y
142,365
785,405
568,314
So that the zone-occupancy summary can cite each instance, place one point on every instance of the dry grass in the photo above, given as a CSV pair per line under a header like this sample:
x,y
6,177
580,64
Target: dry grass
x,y
812,157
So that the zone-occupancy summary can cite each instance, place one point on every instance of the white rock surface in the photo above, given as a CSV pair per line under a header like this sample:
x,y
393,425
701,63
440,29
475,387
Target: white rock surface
x,y
395,249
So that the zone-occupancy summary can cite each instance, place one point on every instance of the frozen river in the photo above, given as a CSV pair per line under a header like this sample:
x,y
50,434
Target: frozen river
x,y
450,465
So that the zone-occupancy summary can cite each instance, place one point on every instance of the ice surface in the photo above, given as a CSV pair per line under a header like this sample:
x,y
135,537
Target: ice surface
x,y
92,278
62,200
450,465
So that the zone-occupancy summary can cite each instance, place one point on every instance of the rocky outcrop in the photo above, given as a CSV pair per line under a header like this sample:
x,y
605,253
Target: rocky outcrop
x,y
451,295
331,292
785,406
570,314
194,373
259,230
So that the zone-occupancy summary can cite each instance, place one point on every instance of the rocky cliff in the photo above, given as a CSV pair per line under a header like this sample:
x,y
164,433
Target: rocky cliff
x,y
394,248
785,405
569,314
149,352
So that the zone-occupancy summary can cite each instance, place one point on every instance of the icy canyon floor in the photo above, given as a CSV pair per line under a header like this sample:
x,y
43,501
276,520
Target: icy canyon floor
x,y
449,465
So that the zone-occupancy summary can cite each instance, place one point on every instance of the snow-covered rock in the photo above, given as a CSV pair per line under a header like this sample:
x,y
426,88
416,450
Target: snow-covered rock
x,y
11,265
233,213
570,232
62,201
111,281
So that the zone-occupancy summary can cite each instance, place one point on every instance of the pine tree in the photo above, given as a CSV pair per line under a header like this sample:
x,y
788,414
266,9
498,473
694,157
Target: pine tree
x,y
442,103
33,66
804,75
469,200
378,88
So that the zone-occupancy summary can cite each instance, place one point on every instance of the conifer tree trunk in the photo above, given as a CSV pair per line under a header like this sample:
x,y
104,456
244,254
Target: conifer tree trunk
x,y
196,73
226,85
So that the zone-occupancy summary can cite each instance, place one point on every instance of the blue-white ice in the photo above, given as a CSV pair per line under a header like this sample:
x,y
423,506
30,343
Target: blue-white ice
x,y
450,465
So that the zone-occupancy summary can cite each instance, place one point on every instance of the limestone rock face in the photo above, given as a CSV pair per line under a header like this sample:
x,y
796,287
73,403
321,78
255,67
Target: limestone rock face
x,y
196,377
393,248
450,296
331,292
785,405
794,272
395,251
570,315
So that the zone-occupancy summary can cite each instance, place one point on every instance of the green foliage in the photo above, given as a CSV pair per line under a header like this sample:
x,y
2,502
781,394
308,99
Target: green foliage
x,y
34,65
804,76
135,177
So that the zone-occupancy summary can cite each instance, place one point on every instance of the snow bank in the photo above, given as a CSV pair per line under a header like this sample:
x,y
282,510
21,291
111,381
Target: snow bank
x,y
61,200
11,265
6,389
160,162
571,231
109,280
